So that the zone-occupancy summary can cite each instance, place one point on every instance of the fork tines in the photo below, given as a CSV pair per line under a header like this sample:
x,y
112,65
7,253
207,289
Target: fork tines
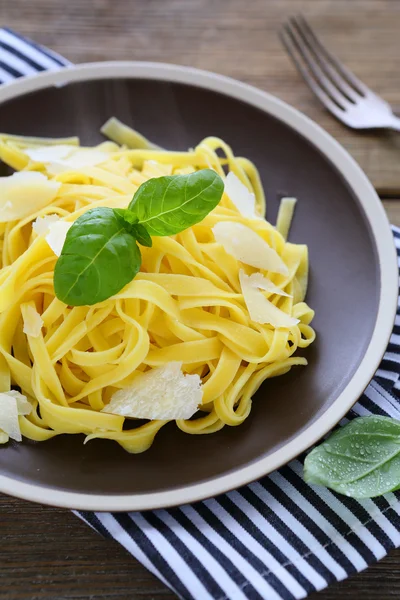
x,y
328,78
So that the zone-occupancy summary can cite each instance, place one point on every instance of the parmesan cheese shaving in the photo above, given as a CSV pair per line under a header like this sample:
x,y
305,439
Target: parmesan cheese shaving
x,y
64,158
56,235
12,404
164,393
241,197
45,154
33,322
80,158
260,309
24,193
247,246
263,283
42,224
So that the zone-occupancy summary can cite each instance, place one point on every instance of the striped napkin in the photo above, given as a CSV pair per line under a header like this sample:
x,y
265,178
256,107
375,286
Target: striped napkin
x,y
278,538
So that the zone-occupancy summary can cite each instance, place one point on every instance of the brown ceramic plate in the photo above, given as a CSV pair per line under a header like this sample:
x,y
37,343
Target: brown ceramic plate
x,y
353,286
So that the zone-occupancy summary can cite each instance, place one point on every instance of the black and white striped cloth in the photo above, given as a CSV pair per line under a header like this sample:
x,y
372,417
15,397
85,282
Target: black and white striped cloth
x,y
278,538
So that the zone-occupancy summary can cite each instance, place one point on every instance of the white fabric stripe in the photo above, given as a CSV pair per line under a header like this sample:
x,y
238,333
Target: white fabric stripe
x,y
16,62
120,535
395,339
354,524
285,577
390,375
216,570
5,77
376,394
242,565
391,355
187,576
372,509
293,557
28,50
361,411
301,531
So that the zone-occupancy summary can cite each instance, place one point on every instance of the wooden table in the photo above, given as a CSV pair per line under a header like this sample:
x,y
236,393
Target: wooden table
x,y
48,553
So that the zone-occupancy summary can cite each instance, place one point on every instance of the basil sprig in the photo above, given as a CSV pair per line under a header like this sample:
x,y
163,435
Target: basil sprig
x,y
361,459
101,255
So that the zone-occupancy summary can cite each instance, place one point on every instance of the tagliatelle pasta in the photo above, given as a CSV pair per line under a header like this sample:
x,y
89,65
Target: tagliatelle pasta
x,y
186,305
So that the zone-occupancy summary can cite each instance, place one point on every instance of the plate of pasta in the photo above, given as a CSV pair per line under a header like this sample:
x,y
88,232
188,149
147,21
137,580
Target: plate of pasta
x,y
196,284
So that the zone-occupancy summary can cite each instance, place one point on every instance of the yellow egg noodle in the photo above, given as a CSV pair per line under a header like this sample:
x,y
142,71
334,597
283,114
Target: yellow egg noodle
x,y
185,305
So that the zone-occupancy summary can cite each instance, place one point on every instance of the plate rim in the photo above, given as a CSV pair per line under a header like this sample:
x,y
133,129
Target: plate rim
x,y
388,293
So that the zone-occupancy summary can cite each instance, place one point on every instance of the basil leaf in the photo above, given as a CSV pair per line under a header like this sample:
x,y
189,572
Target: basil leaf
x,y
141,234
361,459
98,259
167,205
126,215
131,224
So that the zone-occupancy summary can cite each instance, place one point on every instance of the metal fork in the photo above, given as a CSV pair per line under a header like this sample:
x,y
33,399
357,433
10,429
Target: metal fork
x,y
348,98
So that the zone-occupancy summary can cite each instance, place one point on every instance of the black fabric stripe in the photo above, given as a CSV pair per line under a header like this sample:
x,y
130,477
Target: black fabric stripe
x,y
365,402
334,519
364,517
148,548
387,384
186,554
233,541
95,522
237,513
233,572
392,347
387,396
38,47
9,69
393,517
292,537
388,364
27,59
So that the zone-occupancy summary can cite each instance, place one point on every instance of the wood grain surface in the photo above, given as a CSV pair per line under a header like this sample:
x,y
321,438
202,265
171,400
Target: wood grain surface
x,y
47,553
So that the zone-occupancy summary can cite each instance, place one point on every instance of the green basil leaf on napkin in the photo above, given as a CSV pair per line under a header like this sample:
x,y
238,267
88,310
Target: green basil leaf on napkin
x,y
361,459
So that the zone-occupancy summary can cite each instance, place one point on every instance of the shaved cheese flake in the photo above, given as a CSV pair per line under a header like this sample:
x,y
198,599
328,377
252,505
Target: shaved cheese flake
x,y
24,407
164,394
78,159
263,283
9,417
45,154
240,195
12,404
64,158
33,322
56,236
260,309
24,193
247,246
54,229
42,224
